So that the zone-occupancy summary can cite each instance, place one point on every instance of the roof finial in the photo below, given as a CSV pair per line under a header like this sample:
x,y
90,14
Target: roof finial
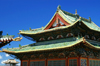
x,y
89,19
76,11
7,33
59,7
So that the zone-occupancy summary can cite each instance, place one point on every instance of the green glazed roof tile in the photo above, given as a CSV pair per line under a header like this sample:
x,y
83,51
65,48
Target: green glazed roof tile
x,y
68,17
47,44
54,44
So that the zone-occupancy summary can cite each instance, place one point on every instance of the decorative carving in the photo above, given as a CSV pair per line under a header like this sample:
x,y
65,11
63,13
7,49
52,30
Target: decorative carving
x,y
84,54
59,36
41,56
61,55
98,39
69,35
49,38
41,39
91,55
93,38
18,39
87,36
25,57
99,55
72,54
51,56
84,40
33,57
80,51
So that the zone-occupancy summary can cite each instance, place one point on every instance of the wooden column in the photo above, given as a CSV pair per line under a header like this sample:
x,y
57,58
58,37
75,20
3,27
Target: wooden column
x,y
79,61
28,62
45,61
21,62
66,61
88,61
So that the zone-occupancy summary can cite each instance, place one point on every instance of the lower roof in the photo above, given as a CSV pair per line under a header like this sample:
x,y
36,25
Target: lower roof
x,y
53,44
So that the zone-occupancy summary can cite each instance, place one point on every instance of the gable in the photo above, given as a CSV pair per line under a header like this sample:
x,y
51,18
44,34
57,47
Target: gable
x,y
57,21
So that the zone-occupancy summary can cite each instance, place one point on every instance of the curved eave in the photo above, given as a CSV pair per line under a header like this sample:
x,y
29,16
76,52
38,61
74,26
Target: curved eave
x,y
86,44
91,28
59,28
91,46
4,50
50,20
11,62
0,51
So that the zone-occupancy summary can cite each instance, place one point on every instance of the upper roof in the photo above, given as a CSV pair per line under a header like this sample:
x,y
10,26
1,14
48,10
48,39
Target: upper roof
x,y
69,18
53,44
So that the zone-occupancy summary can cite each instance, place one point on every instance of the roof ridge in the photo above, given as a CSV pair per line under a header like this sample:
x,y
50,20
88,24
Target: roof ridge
x,y
74,15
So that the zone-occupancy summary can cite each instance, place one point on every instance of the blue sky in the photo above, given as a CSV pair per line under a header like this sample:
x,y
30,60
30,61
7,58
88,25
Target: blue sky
x,y
17,15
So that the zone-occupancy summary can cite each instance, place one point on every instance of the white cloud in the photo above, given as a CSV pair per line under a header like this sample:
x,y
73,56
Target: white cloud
x,y
0,57
18,64
6,55
2,62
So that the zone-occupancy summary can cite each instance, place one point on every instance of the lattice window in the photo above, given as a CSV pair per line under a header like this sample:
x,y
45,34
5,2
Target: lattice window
x,y
56,63
94,62
83,62
24,63
37,63
72,62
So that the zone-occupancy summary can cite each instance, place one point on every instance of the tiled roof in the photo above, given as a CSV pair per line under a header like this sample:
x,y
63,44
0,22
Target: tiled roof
x,y
12,61
6,37
53,44
68,17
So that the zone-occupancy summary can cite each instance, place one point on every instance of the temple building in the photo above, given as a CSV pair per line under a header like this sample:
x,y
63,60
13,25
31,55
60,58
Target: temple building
x,y
67,40
11,62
